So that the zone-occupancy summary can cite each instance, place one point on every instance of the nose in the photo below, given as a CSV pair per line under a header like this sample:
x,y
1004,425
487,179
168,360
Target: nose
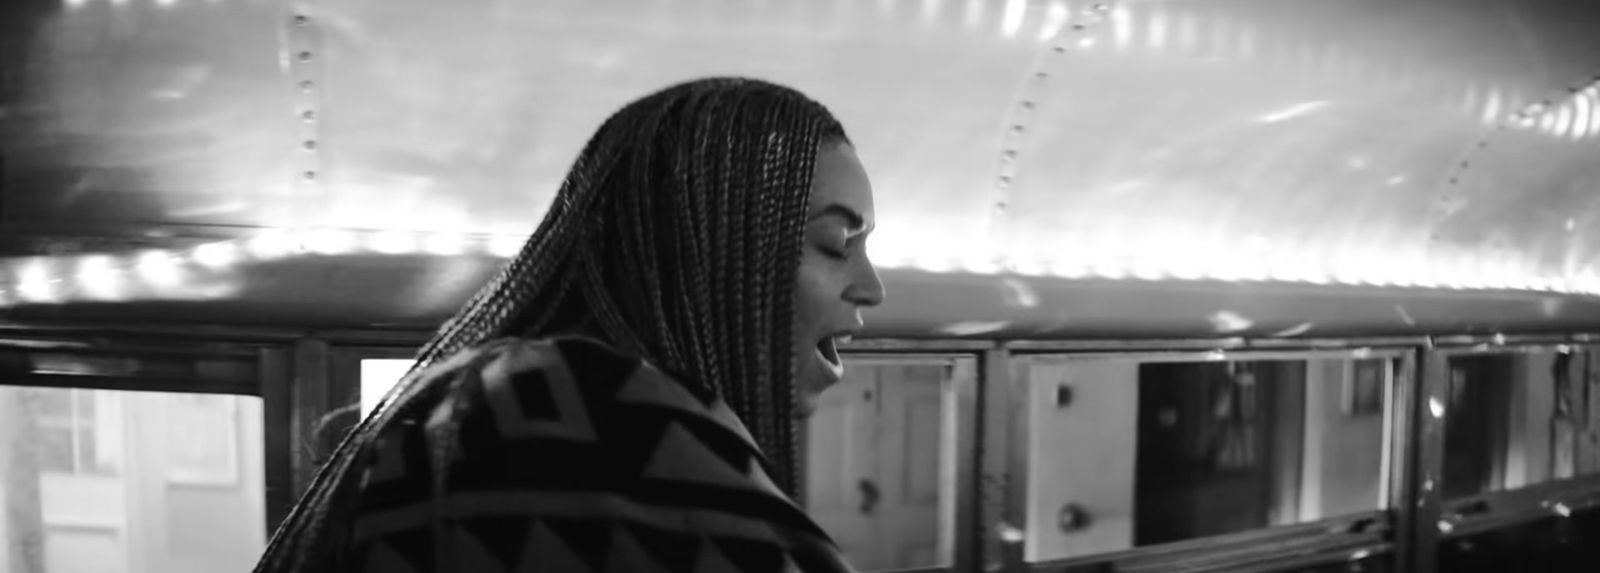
x,y
867,288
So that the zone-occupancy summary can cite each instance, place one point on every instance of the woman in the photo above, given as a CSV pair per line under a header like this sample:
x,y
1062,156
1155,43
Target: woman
x,y
624,395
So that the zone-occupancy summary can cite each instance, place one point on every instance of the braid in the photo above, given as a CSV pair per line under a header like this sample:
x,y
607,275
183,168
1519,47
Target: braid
x,y
676,235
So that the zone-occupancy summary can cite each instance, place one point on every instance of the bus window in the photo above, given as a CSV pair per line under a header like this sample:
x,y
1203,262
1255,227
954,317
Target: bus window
x,y
1516,420
130,482
1125,452
880,465
378,375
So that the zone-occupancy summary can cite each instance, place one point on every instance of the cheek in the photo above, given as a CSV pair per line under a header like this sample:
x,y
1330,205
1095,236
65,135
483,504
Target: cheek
x,y
810,296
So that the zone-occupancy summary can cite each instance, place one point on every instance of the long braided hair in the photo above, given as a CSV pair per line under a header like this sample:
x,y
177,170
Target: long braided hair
x,y
676,237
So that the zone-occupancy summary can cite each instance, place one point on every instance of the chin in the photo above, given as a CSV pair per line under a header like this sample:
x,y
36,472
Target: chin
x,y
805,407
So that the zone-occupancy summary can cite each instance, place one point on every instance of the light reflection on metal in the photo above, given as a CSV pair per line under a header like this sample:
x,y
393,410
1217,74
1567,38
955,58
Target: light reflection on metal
x,y
1010,534
1549,123
35,282
199,273
1226,322
1577,116
972,17
1011,21
1594,108
974,328
271,244
99,279
1122,27
1187,32
1339,255
160,268
1561,509
1294,331
1157,34
329,242
445,244
1055,19
217,255
930,11
1019,294
393,242
1293,111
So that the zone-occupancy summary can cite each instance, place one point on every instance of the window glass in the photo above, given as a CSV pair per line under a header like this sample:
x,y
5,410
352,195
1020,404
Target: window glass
x,y
1124,453
102,481
1515,420
378,375
880,464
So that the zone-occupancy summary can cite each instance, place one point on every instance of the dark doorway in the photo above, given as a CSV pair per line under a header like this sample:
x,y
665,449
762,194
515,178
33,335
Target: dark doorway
x,y
1206,434
1477,413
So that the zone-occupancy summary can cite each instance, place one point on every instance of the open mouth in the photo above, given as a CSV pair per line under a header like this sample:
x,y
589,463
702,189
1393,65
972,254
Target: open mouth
x,y
828,352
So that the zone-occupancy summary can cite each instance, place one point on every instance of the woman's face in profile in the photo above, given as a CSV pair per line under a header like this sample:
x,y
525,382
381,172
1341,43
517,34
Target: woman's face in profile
x,y
836,278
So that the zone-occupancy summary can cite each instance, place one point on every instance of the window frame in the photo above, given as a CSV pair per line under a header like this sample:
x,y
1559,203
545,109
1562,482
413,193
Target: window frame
x,y
296,379
1363,536
965,379
1450,519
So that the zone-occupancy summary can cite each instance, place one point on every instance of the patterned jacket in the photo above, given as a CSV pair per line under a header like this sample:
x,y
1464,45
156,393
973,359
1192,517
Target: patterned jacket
x,y
565,456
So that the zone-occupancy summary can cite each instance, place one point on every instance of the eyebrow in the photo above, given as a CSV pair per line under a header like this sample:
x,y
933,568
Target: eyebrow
x,y
855,220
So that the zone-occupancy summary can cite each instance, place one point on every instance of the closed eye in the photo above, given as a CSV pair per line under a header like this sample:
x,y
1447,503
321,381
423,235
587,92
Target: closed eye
x,y
833,253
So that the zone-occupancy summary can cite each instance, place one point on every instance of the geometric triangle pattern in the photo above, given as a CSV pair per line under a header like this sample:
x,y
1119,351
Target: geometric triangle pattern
x,y
711,560
725,416
380,558
545,551
752,556
466,553
628,556
500,536
566,455
650,386
674,550
587,538
759,479
680,456
543,402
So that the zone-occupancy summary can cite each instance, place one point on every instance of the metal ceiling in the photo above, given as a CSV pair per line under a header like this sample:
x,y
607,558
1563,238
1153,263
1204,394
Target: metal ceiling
x,y
359,162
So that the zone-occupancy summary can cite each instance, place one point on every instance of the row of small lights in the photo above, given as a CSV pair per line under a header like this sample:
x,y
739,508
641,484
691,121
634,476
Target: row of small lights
x,y
202,271
1425,275
160,3
1576,117
1239,263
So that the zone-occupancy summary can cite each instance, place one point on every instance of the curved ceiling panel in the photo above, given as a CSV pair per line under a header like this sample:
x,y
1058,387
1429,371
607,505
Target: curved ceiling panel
x,y
449,116
1433,143
1308,141
142,114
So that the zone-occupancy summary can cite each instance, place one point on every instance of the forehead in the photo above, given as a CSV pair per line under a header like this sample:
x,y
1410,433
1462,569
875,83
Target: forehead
x,y
840,187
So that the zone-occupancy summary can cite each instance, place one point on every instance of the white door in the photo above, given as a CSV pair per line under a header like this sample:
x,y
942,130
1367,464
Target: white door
x,y
1083,433
880,472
